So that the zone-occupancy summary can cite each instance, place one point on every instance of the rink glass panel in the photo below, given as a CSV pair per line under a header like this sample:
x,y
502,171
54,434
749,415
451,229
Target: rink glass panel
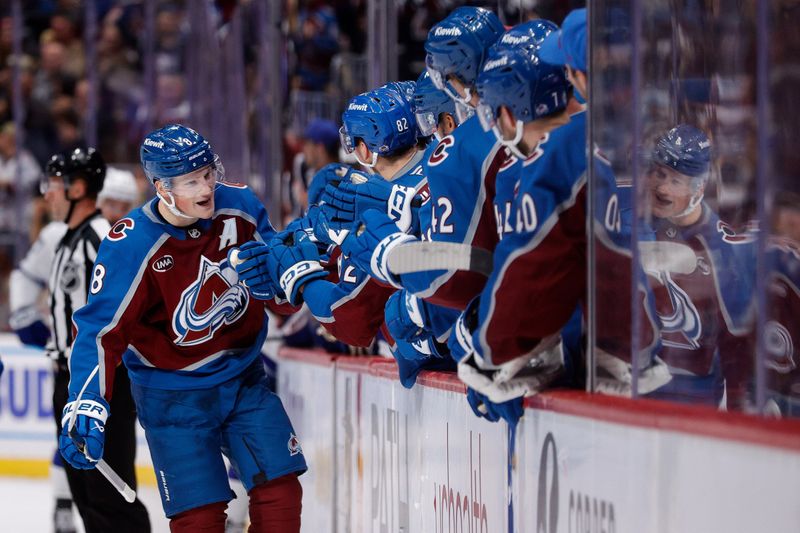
x,y
778,103
684,294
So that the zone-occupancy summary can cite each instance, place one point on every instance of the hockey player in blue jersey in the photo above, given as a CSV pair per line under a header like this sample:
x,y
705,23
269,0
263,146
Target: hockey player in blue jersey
x,y
463,166
705,289
379,130
408,316
543,259
523,102
466,166
165,302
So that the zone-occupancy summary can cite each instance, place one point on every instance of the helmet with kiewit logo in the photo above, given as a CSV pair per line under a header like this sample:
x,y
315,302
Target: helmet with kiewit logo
x,y
457,46
382,120
175,150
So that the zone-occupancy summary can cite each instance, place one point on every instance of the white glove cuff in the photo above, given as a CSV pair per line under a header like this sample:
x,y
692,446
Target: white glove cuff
x,y
89,408
412,306
297,271
464,337
398,207
378,262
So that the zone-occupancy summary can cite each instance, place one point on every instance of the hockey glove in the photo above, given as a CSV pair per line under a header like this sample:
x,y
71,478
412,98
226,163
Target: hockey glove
x,y
332,173
28,326
326,229
294,261
411,361
35,334
371,244
348,201
405,315
510,411
250,262
460,341
1,367
319,231
82,445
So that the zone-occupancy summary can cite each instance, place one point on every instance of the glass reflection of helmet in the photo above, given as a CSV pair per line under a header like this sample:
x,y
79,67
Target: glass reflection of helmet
x,y
687,150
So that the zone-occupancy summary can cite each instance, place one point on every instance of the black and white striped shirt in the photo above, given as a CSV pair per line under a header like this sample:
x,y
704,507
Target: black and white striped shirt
x,y
70,276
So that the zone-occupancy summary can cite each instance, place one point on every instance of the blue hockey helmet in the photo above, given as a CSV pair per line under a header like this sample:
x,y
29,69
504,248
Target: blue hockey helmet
x,y
528,35
380,118
403,89
685,149
175,150
457,46
529,88
429,104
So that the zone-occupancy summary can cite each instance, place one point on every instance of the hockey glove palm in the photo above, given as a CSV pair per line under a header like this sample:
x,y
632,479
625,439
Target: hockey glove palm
x,y
82,445
251,265
510,411
406,315
371,244
294,261
324,228
348,201
332,174
411,361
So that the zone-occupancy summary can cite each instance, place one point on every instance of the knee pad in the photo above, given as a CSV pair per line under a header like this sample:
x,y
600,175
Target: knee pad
x,y
208,518
275,506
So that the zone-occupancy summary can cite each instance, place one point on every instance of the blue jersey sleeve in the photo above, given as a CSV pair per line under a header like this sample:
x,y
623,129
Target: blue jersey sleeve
x,y
115,299
241,198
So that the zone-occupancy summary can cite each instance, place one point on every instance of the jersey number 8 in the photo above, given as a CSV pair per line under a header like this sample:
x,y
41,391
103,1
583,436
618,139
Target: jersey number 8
x,y
98,274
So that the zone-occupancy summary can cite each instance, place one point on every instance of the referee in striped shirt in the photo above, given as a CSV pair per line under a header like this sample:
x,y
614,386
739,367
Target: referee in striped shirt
x,y
79,175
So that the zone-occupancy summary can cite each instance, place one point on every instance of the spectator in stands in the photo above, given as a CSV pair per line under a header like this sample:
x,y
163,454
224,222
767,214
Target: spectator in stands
x,y
119,195
315,43
12,160
320,147
68,130
64,29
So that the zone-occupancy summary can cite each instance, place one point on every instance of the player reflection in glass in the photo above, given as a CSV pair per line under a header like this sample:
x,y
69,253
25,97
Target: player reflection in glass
x,y
701,272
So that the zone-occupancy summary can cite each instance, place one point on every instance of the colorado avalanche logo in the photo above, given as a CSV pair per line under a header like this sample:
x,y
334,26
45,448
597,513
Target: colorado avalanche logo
x,y
214,300
780,348
294,445
684,319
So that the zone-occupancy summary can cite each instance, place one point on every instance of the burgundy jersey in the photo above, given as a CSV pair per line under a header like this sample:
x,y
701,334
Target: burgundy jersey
x,y
165,300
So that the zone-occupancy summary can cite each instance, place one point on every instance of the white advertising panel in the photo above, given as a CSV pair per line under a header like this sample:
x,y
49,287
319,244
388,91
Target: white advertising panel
x,y
27,426
579,474
429,464
350,484
306,390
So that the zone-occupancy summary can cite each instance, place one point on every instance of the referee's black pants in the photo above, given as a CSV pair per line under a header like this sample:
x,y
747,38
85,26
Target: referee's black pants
x,y
101,507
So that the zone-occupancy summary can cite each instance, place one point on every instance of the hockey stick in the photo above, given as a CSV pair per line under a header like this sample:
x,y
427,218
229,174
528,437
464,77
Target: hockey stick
x,y
424,256
127,493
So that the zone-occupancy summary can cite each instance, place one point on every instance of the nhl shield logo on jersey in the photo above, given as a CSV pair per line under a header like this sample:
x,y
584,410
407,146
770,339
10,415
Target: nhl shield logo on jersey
x,y
212,301
69,277
294,445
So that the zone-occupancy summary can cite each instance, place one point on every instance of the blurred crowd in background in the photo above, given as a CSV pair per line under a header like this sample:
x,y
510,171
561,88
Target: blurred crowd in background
x,y
136,83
